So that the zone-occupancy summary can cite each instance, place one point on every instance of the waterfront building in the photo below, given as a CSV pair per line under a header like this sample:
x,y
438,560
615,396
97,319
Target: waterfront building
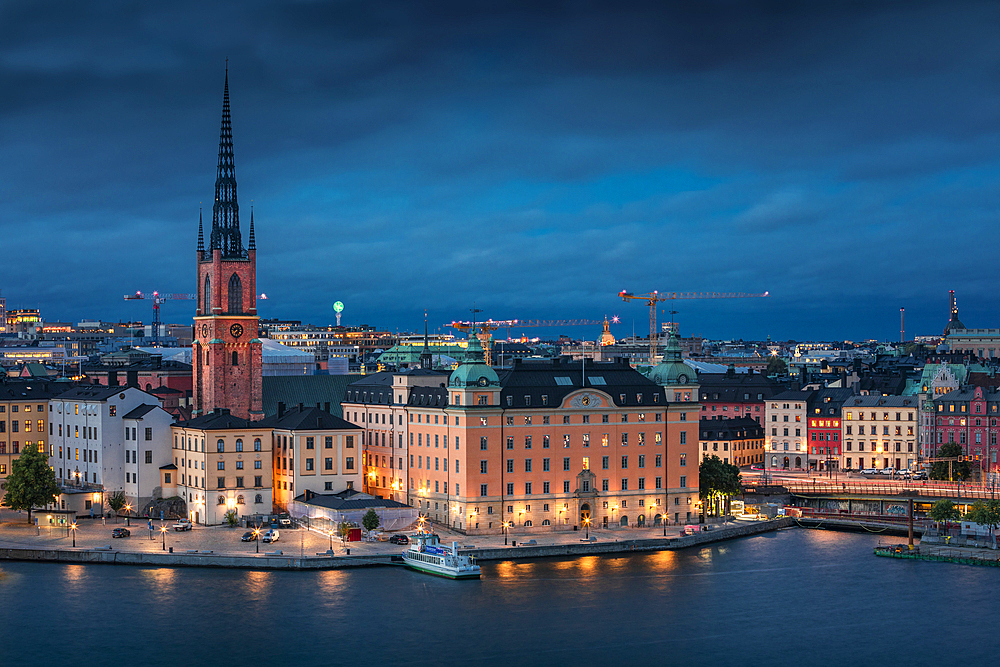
x,y
24,418
968,417
879,432
147,448
87,435
786,430
221,462
545,444
737,440
823,427
226,351
731,394
314,452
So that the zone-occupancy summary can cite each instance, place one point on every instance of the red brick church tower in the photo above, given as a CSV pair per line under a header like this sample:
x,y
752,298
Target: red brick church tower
x,y
226,352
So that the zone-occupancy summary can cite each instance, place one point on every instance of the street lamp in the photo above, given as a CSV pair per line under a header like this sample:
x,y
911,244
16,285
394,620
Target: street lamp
x,y
331,540
506,525
256,538
586,522
73,528
613,508
163,533
128,509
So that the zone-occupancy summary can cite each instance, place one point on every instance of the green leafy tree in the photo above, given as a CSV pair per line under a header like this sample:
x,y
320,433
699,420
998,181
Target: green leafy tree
x,y
985,514
959,469
343,529
232,518
717,482
116,501
32,481
370,521
944,510
776,366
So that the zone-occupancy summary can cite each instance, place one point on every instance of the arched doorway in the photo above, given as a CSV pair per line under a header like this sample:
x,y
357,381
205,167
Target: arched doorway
x,y
657,520
584,514
774,461
785,466
624,521
640,521
798,461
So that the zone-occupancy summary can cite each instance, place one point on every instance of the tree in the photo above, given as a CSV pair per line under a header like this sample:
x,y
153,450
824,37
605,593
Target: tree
x,y
370,520
32,481
944,510
116,501
717,482
776,366
960,469
986,514
232,518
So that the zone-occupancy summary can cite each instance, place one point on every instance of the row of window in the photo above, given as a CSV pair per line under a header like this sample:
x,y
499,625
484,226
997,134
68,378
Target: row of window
x,y
27,408
16,425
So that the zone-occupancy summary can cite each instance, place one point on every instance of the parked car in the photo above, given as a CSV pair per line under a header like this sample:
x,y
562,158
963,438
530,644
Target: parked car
x,y
183,524
284,523
270,536
918,474
247,536
757,466
120,532
870,471
887,471
382,537
399,539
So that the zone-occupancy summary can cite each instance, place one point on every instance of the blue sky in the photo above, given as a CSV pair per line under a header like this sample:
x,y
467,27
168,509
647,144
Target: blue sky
x,y
534,158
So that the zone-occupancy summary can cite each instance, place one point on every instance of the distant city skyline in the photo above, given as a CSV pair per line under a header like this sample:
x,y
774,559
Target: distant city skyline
x,y
535,161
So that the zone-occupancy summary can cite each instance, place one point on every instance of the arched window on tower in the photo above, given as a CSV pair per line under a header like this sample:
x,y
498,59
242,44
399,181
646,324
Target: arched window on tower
x,y
235,295
207,299
236,359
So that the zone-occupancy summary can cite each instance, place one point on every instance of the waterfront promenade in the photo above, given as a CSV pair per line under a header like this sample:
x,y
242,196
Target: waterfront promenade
x,y
220,546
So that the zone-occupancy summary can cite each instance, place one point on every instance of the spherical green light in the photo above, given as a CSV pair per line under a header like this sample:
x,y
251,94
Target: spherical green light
x,y
338,307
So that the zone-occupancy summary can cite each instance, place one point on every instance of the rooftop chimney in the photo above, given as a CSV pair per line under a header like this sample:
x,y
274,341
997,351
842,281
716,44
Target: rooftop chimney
x,y
281,410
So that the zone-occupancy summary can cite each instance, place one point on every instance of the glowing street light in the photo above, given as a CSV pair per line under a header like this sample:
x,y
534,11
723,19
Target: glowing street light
x,y
163,533
128,510
586,522
73,528
256,538
506,525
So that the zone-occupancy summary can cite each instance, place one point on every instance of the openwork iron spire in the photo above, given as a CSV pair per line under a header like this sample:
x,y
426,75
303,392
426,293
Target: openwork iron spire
x,y
201,234
226,212
253,242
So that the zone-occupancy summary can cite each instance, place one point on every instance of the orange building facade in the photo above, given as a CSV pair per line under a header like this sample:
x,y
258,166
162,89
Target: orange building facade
x,y
545,445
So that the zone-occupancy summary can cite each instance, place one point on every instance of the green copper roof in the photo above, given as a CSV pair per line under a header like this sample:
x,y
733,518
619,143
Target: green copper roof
x,y
474,371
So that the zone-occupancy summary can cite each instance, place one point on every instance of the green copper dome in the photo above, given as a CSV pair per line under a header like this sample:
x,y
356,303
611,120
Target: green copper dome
x,y
672,370
474,372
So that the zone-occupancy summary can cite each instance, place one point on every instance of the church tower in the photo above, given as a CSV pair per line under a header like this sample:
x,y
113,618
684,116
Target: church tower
x,y
226,356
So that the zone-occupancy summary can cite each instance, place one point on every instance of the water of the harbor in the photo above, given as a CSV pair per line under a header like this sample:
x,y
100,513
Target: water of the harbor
x,y
796,597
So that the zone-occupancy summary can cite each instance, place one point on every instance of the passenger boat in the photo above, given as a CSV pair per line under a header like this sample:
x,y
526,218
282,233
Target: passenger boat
x,y
426,554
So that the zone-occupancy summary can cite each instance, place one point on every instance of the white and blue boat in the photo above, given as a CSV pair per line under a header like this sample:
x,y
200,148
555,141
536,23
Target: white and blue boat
x,y
427,554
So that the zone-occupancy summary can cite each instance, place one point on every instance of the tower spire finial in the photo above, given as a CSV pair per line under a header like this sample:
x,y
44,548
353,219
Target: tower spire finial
x,y
226,211
201,234
252,244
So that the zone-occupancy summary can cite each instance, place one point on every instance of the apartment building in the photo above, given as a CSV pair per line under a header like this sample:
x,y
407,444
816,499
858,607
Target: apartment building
x,y
879,432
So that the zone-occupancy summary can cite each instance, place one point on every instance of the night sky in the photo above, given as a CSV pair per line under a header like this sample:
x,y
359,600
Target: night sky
x,y
534,158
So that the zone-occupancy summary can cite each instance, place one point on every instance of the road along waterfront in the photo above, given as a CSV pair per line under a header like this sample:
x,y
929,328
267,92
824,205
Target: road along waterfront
x,y
747,601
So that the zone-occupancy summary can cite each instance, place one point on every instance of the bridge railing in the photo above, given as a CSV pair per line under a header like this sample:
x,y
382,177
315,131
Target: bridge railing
x,y
935,489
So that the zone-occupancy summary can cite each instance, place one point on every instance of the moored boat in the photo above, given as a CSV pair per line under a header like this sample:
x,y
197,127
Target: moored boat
x,y
427,554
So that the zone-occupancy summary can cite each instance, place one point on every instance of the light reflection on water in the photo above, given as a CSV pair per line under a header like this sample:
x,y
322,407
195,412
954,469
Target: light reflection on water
x,y
710,605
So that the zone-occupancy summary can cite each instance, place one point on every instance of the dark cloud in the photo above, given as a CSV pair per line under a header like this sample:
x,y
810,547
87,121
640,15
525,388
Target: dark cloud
x,y
532,157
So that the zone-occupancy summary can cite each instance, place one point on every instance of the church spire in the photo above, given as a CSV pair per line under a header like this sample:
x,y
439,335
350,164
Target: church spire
x,y
201,234
253,242
426,360
226,212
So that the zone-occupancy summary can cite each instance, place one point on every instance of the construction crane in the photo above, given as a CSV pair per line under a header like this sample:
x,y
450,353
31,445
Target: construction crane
x,y
158,299
489,326
653,298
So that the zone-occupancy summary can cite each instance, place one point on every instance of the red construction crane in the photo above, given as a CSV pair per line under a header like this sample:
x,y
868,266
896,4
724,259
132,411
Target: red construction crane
x,y
157,299
653,298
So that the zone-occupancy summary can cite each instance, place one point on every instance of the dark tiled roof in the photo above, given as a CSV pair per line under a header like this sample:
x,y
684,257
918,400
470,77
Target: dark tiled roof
x,y
348,500
829,400
30,390
92,392
163,390
307,419
169,466
311,390
732,388
730,429
140,412
557,378
219,420
794,395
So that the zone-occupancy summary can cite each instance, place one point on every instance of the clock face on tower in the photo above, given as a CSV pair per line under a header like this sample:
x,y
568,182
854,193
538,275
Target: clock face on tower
x,y
236,330
204,330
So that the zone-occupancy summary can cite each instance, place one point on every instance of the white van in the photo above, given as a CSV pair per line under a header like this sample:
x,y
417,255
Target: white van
x,y
269,536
